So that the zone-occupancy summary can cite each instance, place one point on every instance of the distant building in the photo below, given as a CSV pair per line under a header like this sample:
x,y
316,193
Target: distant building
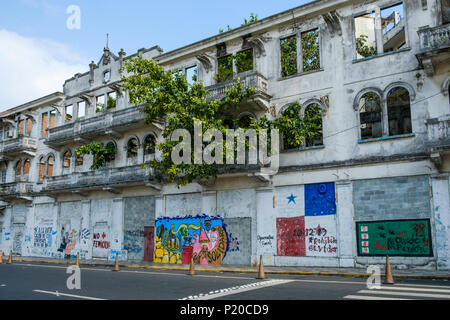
x,y
375,181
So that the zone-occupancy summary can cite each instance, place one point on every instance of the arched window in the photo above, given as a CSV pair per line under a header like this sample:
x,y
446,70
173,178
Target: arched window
x,y
18,168
3,171
50,163
313,119
370,115
111,146
41,169
66,159
399,111
291,111
149,145
79,160
245,121
132,148
26,167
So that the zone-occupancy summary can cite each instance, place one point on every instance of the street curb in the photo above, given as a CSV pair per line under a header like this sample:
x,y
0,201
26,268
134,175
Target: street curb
x,y
233,270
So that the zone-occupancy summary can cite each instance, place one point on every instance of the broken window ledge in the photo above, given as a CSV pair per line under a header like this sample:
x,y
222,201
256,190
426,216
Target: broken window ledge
x,y
408,135
381,55
303,149
299,74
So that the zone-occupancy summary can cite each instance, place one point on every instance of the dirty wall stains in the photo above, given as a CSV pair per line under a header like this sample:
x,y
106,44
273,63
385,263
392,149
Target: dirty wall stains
x,y
202,237
306,223
239,240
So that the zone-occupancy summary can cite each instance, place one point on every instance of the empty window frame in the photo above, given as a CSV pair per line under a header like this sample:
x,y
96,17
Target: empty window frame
x,y
191,74
370,114
149,145
313,120
100,103
66,159
244,60
3,171
112,99
224,68
389,36
79,160
393,28
132,148
288,48
310,46
399,111
309,49
68,113
81,109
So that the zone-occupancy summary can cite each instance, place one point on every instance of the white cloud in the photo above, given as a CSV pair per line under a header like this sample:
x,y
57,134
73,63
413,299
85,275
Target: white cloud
x,y
31,68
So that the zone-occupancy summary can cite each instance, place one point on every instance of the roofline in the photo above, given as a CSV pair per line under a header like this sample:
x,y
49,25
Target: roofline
x,y
288,15
53,97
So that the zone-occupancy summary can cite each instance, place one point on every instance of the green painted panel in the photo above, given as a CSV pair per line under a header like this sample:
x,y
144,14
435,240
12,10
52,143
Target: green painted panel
x,y
394,238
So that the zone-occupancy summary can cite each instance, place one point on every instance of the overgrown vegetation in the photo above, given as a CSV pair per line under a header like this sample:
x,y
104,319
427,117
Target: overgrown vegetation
x,y
168,95
253,18
363,49
102,153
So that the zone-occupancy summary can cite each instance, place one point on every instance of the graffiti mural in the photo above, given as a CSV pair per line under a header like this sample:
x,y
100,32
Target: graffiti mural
x,y
312,232
394,238
69,235
202,238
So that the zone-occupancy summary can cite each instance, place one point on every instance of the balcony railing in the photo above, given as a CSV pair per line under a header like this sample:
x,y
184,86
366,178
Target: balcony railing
x,y
434,38
248,79
439,133
21,145
95,126
16,189
98,179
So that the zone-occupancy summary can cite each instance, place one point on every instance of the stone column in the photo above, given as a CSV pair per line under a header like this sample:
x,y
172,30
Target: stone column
x,y
86,231
266,242
345,223
6,244
441,214
117,229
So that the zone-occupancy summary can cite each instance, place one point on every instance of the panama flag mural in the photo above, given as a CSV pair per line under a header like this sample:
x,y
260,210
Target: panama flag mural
x,y
306,220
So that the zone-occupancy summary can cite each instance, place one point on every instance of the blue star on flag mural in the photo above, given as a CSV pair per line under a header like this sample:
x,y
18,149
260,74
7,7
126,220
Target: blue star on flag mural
x,y
291,198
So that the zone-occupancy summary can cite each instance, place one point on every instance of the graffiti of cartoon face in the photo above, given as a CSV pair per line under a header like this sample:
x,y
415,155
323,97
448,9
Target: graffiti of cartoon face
x,y
208,225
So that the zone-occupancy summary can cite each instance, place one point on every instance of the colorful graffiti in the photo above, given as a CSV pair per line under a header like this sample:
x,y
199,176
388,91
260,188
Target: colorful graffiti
x,y
311,232
69,238
202,238
394,238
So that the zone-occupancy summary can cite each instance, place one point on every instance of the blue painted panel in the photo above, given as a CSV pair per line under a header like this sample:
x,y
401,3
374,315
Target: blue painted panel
x,y
320,199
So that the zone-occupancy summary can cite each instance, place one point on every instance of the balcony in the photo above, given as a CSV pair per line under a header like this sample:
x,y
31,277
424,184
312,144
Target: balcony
x,y
108,179
16,190
439,133
260,100
112,124
21,146
434,47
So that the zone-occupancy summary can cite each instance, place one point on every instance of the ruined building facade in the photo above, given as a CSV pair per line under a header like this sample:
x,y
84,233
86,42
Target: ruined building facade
x,y
375,181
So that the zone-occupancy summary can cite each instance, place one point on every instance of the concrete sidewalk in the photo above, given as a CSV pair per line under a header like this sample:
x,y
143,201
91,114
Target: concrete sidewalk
x,y
321,271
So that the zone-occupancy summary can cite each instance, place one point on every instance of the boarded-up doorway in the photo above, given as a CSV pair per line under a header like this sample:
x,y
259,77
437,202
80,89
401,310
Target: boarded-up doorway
x,y
149,243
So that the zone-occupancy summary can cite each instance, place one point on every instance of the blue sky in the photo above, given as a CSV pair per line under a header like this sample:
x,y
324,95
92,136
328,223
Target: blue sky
x,y
39,28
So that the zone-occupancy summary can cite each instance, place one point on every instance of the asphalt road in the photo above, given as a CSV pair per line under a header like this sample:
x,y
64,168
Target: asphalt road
x,y
31,281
